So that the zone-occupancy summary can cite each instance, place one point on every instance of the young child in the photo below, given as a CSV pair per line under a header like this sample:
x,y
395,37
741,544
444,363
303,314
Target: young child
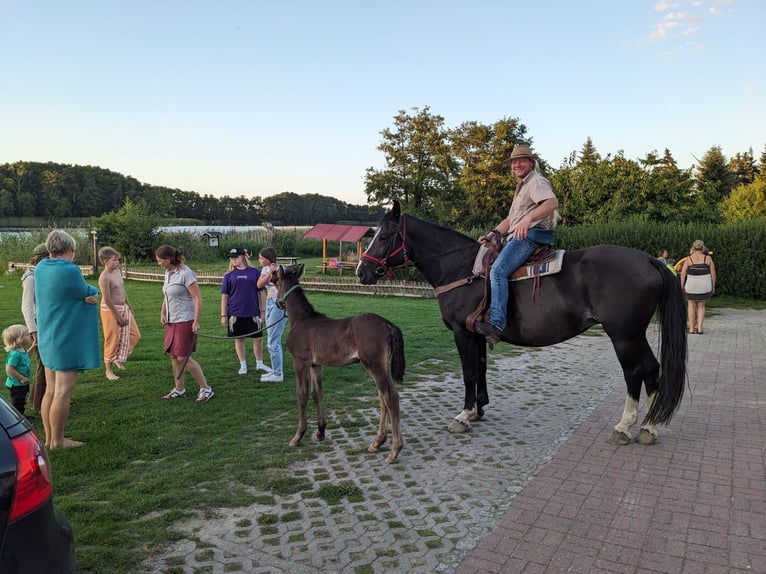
x,y
121,333
18,367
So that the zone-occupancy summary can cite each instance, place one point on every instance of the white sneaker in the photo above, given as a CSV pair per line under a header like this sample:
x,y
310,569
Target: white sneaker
x,y
272,378
204,395
242,370
263,367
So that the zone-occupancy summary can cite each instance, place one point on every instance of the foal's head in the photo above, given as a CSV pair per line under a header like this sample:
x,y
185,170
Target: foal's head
x,y
286,280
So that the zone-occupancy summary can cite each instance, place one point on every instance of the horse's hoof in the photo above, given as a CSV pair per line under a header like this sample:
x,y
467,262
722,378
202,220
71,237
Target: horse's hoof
x,y
645,437
374,447
474,416
619,438
294,442
391,458
458,426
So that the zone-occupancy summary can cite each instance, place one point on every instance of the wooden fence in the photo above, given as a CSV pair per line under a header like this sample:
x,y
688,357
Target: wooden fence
x,y
325,284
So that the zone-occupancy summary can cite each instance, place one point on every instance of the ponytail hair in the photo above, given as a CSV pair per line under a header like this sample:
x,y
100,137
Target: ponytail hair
x,y
170,253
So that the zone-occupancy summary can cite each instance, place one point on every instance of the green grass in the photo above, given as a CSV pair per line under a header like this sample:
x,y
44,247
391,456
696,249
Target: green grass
x,y
148,463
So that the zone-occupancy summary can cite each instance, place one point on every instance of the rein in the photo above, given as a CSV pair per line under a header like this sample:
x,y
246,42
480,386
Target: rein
x,y
401,232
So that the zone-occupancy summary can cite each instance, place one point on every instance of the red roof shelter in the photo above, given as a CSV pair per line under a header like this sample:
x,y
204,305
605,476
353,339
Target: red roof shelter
x,y
334,232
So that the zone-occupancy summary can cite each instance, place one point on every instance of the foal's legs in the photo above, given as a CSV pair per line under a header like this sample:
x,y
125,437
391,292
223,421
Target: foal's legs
x,y
316,392
389,407
302,374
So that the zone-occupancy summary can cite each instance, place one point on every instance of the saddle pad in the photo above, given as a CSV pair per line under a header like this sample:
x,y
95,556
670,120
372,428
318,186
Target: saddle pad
x,y
547,268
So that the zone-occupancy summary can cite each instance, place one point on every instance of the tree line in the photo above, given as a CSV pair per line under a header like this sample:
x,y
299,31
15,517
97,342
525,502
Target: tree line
x,y
54,192
459,177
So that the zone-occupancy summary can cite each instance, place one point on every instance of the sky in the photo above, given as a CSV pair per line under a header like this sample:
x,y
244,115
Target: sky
x,y
254,98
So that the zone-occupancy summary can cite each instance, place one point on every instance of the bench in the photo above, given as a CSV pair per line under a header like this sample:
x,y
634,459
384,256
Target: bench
x,y
288,260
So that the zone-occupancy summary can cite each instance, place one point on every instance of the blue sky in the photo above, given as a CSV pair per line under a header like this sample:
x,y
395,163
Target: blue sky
x,y
255,98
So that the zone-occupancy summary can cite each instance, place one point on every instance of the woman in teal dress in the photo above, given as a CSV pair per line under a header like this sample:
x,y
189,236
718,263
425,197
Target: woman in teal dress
x,y
67,332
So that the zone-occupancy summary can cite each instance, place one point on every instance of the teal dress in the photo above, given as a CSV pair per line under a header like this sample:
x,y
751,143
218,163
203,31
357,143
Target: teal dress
x,y
67,326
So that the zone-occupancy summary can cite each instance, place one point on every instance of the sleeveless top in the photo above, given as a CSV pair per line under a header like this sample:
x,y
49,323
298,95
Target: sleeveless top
x,y
699,282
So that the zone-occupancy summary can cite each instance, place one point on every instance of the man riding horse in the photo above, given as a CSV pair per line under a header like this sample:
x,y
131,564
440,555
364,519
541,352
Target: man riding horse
x,y
527,225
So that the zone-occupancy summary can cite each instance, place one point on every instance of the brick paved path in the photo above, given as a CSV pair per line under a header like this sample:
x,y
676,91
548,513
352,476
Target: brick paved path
x,y
695,502
535,487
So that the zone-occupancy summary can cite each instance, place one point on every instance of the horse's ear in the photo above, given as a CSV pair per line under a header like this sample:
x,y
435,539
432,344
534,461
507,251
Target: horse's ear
x,y
396,210
300,268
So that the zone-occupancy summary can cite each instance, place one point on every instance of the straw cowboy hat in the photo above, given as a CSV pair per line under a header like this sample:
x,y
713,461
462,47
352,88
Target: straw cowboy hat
x,y
522,150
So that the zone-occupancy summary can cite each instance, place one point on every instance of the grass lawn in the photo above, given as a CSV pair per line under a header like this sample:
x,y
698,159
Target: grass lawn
x,y
149,462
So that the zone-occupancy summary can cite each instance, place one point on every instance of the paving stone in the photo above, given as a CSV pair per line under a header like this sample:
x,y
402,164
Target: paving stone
x,y
534,487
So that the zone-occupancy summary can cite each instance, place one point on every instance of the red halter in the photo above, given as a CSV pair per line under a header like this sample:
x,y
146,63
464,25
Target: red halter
x,y
401,233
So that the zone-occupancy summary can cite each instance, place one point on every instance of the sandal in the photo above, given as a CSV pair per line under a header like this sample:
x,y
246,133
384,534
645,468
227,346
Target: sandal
x,y
175,394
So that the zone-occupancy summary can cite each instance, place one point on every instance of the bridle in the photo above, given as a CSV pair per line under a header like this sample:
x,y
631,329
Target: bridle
x,y
281,300
383,267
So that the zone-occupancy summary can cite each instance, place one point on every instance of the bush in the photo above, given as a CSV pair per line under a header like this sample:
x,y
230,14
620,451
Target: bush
x,y
737,247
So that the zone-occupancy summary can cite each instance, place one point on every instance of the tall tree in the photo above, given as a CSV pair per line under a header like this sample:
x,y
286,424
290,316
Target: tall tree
x,y
420,170
742,167
713,175
486,179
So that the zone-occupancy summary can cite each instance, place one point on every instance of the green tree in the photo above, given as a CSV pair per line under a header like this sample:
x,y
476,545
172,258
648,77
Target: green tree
x,y
131,230
485,177
714,182
420,171
747,201
742,167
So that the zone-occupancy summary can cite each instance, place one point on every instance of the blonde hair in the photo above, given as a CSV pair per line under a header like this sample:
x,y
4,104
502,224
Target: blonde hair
x,y
245,257
106,253
698,245
13,336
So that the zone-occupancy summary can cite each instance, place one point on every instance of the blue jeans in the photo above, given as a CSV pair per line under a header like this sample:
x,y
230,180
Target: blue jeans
x,y
274,332
513,256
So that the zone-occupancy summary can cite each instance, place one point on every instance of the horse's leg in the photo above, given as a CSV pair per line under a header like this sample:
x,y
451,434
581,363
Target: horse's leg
x,y
382,436
472,349
648,432
638,364
302,391
316,392
389,407
391,398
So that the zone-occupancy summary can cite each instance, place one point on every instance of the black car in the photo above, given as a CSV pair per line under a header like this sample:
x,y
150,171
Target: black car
x,y
34,536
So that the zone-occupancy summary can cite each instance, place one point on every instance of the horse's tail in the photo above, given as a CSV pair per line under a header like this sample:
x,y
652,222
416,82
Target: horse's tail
x,y
672,316
396,348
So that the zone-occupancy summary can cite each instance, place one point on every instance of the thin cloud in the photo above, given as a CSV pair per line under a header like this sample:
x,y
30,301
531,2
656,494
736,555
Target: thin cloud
x,y
684,19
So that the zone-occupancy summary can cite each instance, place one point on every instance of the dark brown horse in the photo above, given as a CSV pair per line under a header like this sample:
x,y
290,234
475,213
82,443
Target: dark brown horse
x,y
317,341
618,287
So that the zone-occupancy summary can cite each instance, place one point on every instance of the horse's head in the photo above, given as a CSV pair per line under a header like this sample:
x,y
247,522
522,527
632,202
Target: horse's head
x,y
386,251
286,280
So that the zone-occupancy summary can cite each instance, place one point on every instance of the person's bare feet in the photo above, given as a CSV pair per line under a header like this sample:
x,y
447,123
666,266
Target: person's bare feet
x,y
111,376
119,366
66,443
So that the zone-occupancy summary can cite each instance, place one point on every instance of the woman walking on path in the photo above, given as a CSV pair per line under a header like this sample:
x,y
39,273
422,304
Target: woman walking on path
x,y
181,311
275,317
67,329
698,281
243,309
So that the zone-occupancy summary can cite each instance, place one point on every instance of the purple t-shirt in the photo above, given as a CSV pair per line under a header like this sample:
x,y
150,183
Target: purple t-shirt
x,y
241,285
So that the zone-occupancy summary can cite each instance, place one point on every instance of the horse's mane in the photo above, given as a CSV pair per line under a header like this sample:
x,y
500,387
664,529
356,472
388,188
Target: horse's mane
x,y
443,230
